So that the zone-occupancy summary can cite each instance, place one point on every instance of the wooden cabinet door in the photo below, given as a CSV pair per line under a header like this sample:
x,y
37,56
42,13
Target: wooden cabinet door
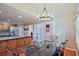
x,y
20,42
12,44
3,46
30,40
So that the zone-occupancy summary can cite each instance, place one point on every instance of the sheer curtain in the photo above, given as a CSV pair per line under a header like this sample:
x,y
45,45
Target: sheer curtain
x,y
77,31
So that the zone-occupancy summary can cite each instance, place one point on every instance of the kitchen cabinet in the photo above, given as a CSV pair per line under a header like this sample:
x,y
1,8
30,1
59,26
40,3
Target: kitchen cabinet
x,y
11,45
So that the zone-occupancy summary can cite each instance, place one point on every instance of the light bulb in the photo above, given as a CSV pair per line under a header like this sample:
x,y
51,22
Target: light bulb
x,y
0,11
20,16
8,20
52,16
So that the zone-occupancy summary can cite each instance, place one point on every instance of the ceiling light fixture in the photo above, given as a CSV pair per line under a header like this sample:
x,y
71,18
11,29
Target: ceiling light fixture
x,y
0,11
45,16
8,20
20,16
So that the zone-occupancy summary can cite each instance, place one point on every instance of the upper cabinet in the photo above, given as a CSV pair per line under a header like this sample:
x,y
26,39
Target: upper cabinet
x,y
4,26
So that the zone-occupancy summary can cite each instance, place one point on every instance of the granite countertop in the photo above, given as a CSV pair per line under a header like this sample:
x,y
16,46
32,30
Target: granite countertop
x,y
11,37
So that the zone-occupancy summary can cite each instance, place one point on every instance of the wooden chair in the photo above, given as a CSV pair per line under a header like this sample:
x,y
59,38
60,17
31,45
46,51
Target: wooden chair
x,y
20,52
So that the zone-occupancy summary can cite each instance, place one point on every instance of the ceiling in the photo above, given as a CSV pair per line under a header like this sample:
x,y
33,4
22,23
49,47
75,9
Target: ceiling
x,y
29,11
12,15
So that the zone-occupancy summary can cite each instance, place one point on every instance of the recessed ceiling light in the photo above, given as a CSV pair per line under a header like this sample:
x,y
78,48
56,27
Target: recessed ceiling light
x,y
0,11
20,16
8,20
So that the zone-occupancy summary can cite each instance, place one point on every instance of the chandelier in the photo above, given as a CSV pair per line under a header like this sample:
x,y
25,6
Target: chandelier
x,y
45,16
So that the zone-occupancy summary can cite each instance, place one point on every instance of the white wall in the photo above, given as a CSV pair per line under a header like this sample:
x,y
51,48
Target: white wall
x,y
67,26
30,30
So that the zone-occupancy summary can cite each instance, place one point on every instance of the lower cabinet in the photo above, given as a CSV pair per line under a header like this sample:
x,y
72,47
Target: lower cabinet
x,y
3,46
13,47
12,44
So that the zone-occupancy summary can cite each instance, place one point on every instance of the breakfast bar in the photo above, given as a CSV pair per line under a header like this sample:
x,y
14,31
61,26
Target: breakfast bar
x,y
11,45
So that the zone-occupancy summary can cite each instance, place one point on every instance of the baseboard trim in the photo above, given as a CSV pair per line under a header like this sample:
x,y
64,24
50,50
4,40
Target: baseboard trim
x,y
72,50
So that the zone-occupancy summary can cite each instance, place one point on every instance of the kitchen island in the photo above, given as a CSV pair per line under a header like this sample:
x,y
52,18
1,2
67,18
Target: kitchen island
x,y
9,45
